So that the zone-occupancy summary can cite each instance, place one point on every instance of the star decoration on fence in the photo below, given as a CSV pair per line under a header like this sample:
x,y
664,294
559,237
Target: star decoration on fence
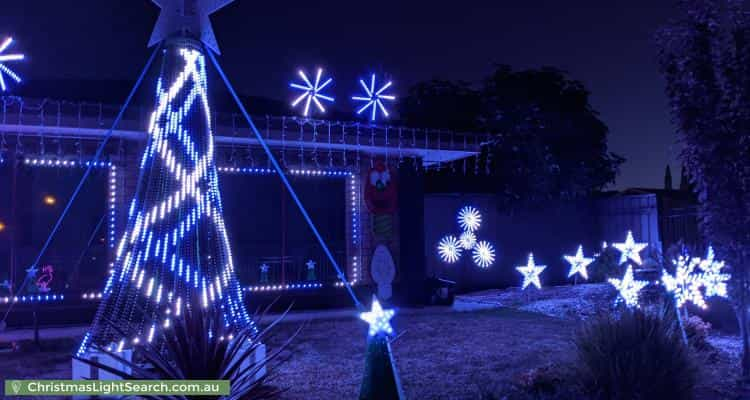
x,y
4,69
449,249
374,98
378,318
578,264
685,285
531,273
628,288
630,249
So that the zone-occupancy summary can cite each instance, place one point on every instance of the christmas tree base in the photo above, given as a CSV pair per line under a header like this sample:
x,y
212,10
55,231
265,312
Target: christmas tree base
x,y
381,380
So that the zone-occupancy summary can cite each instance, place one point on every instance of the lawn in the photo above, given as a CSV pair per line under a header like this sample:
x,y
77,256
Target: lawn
x,y
440,354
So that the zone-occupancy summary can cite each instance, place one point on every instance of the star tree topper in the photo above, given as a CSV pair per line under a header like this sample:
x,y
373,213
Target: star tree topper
x,y
531,273
378,318
187,17
630,249
578,264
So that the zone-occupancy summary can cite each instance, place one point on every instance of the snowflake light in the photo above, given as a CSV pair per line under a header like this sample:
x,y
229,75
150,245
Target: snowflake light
x,y
449,249
685,285
628,288
468,240
4,70
469,219
373,99
630,249
531,273
483,254
714,281
378,318
311,92
578,264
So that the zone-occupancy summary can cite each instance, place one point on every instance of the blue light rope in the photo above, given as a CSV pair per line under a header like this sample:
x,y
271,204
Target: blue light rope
x,y
86,174
284,179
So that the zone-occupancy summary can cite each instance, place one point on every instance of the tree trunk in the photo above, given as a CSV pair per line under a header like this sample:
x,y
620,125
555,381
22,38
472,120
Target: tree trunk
x,y
742,320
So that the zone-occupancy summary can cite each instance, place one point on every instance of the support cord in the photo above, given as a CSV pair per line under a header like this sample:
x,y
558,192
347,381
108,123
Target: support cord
x,y
86,174
284,179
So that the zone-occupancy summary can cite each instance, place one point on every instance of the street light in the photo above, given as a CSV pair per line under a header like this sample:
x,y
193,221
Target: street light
x,y
50,200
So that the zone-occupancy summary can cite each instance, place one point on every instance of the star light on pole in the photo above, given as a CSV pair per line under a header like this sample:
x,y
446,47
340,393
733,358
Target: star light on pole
x,y
4,58
531,272
628,288
468,240
378,318
578,264
630,249
373,98
311,92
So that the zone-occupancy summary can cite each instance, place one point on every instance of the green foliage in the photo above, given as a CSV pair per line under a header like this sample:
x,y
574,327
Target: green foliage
x,y
634,356
541,137
606,265
187,351
697,332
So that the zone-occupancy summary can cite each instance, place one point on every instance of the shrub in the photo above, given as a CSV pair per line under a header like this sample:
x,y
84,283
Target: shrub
x,y
634,356
697,332
195,348
605,265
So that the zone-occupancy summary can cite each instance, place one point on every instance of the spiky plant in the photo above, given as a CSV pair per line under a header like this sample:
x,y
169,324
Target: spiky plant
x,y
199,347
634,355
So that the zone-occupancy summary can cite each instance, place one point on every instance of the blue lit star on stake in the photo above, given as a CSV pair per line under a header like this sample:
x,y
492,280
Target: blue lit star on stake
x,y
630,249
311,93
373,99
531,273
713,279
578,264
4,70
628,288
378,318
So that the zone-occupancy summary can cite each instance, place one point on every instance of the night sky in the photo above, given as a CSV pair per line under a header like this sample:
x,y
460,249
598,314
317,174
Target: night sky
x,y
607,45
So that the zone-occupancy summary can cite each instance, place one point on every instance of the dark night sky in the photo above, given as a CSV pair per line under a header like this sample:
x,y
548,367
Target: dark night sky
x,y
607,45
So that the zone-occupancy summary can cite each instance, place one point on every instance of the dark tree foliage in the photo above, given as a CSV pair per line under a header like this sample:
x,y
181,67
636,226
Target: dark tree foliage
x,y
543,140
705,58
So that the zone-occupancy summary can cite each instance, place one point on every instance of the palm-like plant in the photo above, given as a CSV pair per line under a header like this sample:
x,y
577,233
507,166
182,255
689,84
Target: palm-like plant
x,y
198,346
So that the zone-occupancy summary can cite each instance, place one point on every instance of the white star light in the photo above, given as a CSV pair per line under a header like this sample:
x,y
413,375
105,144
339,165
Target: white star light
x,y
469,219
685,285
713,279
373,99
449,249
531,273
5,58
378,318
578,264
310,264
311,93
628,288
483,254
468,240
630,249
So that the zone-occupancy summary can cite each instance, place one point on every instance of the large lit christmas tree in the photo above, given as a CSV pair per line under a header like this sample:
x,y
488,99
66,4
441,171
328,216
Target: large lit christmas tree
x,y
175,252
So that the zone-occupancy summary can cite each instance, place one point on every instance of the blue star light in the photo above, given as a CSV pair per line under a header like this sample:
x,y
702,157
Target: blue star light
x,y
373,99
378,318
530,273
630,249
5,58
578,263
311,93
